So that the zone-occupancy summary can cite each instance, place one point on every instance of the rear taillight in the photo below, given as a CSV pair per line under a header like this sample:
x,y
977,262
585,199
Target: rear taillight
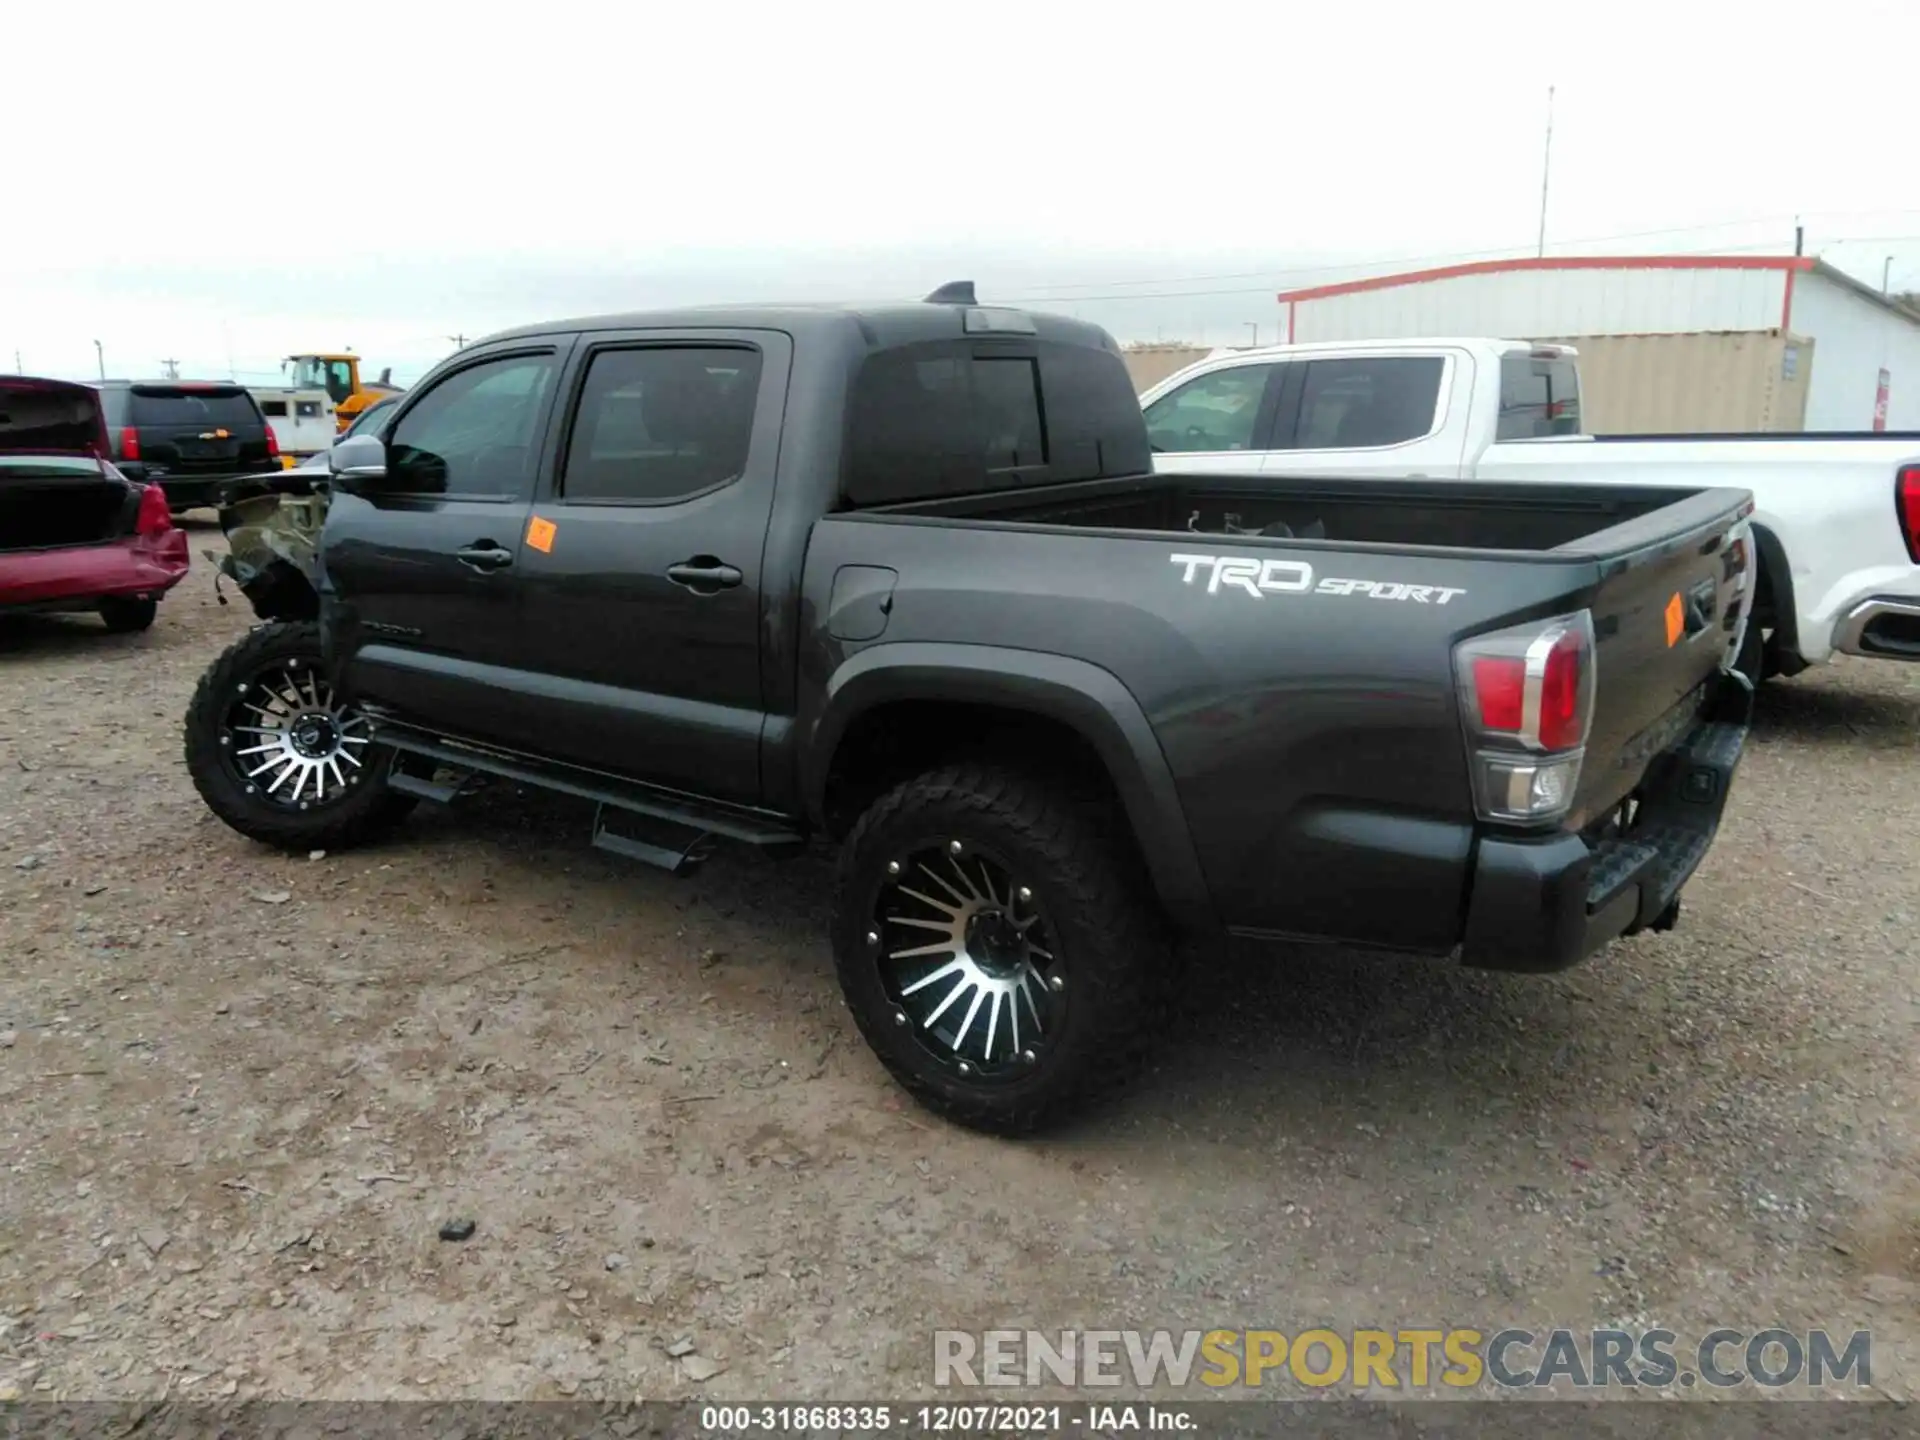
x,y
273,444
154,517
1907,502
129,443
1526,696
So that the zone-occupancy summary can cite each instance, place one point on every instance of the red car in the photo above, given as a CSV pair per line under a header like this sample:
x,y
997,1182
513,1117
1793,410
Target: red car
x,y
76,534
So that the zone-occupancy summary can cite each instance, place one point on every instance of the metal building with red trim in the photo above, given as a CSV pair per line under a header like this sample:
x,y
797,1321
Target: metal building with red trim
x,y
1770,342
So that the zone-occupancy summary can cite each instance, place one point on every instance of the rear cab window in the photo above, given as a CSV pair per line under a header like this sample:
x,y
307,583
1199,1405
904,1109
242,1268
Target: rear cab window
x,y
938,419
1539,396
193,407
928,419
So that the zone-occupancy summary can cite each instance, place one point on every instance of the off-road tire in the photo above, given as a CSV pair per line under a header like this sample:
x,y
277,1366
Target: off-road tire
x,y
366,813
125,617
1110,940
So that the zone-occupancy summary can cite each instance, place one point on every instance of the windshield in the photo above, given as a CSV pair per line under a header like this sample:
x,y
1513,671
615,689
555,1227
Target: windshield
x,y
316,372
372,420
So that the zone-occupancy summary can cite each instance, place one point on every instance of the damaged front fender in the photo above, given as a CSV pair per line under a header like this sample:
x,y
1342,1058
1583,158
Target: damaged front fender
x,y
273,551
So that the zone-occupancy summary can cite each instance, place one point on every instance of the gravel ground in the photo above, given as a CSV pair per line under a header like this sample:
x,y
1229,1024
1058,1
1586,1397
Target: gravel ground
x,y
240,1094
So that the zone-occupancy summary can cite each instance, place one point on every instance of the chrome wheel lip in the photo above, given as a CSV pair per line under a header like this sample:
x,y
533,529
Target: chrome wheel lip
x,y
985,1019
288,742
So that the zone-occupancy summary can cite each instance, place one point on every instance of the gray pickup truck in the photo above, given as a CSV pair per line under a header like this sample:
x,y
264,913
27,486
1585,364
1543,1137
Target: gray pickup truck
x,y
903,578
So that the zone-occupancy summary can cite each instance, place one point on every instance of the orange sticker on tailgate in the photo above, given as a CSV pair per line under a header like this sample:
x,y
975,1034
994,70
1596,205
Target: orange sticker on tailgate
x,y
540,535
1676,617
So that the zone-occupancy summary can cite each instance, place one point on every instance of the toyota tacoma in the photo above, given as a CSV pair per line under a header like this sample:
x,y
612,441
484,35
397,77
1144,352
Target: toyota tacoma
x,y
903,578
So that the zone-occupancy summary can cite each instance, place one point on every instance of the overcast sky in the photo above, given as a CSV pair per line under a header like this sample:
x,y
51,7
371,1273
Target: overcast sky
x,y
224,185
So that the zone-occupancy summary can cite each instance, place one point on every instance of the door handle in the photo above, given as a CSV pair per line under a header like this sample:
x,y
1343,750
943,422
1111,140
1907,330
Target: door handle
x,y
484,555
704,574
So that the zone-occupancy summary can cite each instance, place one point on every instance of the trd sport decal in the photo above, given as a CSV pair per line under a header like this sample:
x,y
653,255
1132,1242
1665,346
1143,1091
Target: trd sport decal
x,y
1260,578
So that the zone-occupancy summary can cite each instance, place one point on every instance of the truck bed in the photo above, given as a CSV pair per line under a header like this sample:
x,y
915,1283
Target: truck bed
x,y
1423,514
1308,718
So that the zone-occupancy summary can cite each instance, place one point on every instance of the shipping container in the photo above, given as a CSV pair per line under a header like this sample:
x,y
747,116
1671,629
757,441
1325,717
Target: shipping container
x,y
1150,364
1721,336
1677,384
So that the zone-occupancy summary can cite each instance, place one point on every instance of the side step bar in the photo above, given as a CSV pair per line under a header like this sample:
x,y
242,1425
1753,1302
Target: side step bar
x,y
676,831
442,792
683,848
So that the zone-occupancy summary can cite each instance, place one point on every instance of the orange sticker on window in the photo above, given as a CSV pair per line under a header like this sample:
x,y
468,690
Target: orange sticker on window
x,y
540,535
1676,616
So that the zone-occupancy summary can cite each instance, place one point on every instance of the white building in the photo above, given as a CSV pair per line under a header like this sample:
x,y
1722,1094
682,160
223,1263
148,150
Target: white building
x,y
1768,342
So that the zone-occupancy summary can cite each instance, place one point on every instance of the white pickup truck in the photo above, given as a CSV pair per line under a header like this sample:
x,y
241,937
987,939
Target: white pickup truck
x,y
1836,517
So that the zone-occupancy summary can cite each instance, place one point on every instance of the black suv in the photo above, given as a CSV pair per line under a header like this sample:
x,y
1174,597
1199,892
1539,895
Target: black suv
x,y
187,436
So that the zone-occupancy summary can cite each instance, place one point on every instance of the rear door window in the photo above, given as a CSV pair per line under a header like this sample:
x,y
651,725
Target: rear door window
x,y
1365,403
157,406
662,423
1539,398
1215,412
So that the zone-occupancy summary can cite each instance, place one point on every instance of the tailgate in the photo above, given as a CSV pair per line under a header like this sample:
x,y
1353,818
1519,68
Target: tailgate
x,y
189,429
1675,588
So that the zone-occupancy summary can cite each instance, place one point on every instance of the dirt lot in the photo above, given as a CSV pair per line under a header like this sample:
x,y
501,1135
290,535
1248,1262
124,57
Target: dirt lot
x,y
240,1093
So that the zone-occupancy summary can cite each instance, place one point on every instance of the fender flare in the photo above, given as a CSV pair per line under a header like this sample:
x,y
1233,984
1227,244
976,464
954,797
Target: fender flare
x,y
1087,699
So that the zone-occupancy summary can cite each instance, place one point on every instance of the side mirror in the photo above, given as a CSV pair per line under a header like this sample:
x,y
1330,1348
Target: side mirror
x,y
358,464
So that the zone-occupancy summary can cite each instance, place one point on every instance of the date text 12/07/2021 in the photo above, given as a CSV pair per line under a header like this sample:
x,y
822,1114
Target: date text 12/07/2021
x,y
944,1419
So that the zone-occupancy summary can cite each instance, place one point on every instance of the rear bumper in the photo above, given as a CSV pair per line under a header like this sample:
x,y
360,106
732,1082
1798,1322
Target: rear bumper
x,y
1886,627
1542,905
135,568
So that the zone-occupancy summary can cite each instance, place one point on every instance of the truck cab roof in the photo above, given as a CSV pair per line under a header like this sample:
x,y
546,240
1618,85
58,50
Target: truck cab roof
x,y
939,397
878,325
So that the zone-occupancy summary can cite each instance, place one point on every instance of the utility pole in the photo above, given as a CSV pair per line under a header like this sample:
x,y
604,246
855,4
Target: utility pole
x,y
1254,326
1886,276
100,356
459,341
173,369
1546,169
1799,236
18,367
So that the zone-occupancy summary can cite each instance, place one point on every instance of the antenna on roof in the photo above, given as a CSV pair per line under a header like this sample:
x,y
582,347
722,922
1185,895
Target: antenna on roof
x,y
954,292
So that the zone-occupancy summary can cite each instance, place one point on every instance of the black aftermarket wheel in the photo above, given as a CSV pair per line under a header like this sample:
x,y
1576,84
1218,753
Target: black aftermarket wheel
x,y
995,946
276,756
